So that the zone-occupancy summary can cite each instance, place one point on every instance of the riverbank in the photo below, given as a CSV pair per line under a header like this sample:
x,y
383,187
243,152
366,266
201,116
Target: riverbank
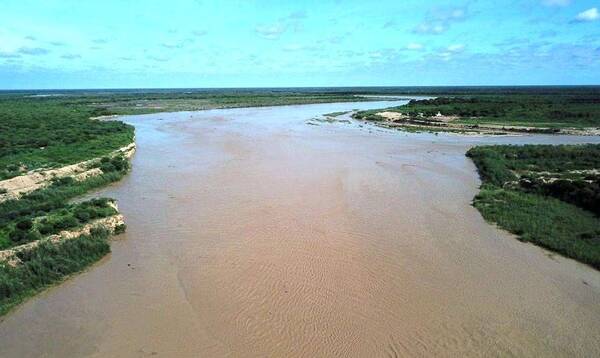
x,y
245,224
547,195
57,148
44,238
50,153
494,114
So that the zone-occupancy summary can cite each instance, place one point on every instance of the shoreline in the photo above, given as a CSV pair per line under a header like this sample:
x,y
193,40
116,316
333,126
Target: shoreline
x,y
386,120
81,232
365,233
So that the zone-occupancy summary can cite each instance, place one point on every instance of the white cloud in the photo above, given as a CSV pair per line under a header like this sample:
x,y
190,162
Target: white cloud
x,y
271,32
34,51
293,47
448,52
438,20
70,56
297,15
430,28
556,2
414,46
171,45
588,15
456,48
9,55
375,55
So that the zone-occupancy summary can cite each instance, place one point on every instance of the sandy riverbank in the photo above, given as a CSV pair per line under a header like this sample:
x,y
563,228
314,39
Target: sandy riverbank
x,y
15,187
440,123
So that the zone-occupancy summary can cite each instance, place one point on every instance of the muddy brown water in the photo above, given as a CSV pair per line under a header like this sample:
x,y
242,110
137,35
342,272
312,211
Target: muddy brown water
x,y
254,234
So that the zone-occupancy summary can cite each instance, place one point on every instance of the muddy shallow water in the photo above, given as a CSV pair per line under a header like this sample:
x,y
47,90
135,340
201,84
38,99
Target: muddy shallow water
x,y
254,234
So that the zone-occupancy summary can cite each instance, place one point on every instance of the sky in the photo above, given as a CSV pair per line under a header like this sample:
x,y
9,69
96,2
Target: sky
x,y
47,44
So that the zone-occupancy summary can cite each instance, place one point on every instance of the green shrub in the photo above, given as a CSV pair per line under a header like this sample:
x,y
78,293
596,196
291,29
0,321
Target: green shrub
x,y
550,213
46,229
545,221
119,229
83,215
24,224
48,264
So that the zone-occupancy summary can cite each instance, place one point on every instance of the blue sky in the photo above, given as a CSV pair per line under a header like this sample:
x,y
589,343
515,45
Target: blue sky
x,y
200,43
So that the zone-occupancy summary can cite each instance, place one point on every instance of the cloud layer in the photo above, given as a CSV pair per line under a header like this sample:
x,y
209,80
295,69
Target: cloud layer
x,y
301,43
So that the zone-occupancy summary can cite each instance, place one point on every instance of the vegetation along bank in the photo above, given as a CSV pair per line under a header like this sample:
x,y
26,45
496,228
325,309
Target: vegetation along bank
x,y
562,113
50,153
544,194
54,147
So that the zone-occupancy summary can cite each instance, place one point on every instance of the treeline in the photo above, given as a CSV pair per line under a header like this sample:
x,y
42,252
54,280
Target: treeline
x,y
540,110
48,132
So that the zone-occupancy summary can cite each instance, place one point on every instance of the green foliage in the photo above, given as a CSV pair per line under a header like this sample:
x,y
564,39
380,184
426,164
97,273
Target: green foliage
x,y
50,132
52,197
556,110
115,164
548,111
544,194
49,209
48,264
545,221
553,158
335,114
491,164
560,171
119,229
56,130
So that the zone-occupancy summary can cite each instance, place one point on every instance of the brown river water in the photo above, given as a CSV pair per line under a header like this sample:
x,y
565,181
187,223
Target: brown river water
x,y
254,234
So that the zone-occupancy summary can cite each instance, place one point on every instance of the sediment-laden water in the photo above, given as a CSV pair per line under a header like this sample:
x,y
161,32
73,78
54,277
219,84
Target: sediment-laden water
x,y
254,234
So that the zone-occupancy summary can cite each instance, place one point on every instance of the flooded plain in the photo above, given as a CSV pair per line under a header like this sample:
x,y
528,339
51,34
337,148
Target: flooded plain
x,y
254,234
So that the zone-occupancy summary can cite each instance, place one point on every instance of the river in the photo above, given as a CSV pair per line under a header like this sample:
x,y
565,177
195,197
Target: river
x,y
254,234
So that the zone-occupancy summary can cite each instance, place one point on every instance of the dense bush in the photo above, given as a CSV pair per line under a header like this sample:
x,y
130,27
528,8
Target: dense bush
x,y
42,132
554,110
492,166
46,211
584,194
48,264
114,164
554,204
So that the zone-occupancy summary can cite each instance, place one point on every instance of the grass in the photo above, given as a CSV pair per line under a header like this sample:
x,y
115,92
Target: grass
x,y
47,265
560,214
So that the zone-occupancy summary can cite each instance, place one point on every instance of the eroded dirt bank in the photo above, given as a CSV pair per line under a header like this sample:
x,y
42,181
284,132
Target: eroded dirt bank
x,y
251,233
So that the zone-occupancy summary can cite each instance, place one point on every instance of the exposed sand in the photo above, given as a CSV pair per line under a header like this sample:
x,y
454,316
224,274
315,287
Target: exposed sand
x,y
109,223
23,184
441,122
252,234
